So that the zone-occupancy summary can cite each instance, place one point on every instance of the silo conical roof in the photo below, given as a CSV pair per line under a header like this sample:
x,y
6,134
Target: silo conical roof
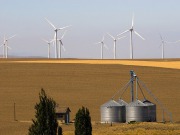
x,y
136,103
122,102
147,102
110,103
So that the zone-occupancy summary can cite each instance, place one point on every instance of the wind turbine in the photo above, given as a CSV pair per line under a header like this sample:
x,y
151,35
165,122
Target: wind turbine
x,y
61,44
163,43
131,30
102,46
5,46
56,36
49,45
115,39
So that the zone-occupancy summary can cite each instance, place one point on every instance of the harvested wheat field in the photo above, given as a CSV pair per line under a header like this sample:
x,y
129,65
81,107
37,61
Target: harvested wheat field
x,y
89,83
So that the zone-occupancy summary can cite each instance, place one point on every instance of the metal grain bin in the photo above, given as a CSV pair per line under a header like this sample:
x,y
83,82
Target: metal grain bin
x,y
123,111
136,111
151,110
112,111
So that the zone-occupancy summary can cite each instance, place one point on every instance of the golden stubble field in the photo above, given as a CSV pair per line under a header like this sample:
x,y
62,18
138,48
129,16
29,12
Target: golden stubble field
x,y
76,84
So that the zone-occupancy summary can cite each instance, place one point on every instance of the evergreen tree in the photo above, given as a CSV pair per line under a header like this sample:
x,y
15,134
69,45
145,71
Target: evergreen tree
x,y
59,130
83,122
45,122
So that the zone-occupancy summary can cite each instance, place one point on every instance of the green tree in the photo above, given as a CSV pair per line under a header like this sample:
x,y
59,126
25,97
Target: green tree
x,y
46,121
83,122
59,130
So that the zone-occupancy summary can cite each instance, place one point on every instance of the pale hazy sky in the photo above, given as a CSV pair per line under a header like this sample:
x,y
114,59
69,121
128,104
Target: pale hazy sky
x,y
90,19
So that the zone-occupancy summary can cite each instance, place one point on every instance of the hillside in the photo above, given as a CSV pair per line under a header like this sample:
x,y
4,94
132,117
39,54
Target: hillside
x,y
78,84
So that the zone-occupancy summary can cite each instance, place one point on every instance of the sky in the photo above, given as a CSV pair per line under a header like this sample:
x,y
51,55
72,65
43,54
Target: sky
x,y
90,20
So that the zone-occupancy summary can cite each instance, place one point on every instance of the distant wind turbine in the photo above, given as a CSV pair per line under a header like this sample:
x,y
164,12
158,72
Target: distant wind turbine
x,y
56,36
163,43
61,44
115,39
5,46
49,45
131,30
102,46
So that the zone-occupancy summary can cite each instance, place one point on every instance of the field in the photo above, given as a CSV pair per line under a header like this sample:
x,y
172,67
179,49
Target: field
x,y
89,83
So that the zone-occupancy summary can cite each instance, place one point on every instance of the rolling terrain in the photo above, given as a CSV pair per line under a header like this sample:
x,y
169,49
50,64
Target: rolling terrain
x,y
88,83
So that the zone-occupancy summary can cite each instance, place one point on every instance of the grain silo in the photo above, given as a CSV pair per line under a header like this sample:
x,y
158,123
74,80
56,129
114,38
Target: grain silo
x,y
151,110
112,111
123,111
136,111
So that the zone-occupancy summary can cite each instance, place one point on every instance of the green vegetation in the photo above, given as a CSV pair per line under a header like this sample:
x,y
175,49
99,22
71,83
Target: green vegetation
x,y
46,122
83,122
59,130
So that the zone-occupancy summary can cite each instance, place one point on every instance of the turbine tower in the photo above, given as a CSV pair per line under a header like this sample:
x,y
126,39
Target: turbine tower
x,y
102,46
131,30
115,39
56,36
163,43
49,45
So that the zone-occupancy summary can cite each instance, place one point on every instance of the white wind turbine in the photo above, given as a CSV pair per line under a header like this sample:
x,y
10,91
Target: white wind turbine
x,y
102,46
163,43
5,46
56,36
131,30
115,39
61,44
49,45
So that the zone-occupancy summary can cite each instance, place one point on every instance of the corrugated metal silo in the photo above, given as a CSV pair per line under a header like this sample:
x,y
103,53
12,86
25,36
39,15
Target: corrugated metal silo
x,y
136,111
151,110
123,111
112,111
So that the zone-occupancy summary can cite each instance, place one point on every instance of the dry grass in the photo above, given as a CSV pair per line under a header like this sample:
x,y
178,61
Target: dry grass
x,y
173,64
75,85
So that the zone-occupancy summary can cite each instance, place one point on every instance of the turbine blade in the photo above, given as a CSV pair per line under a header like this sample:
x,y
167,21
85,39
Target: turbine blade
x,y
98,43
121,37
139,35
45,40
8,47
63,48
102,38
111,36
177,41
11,37
161,37
4,38
63,34
132,20
53,42
123,32
172,42
64,27
50,23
